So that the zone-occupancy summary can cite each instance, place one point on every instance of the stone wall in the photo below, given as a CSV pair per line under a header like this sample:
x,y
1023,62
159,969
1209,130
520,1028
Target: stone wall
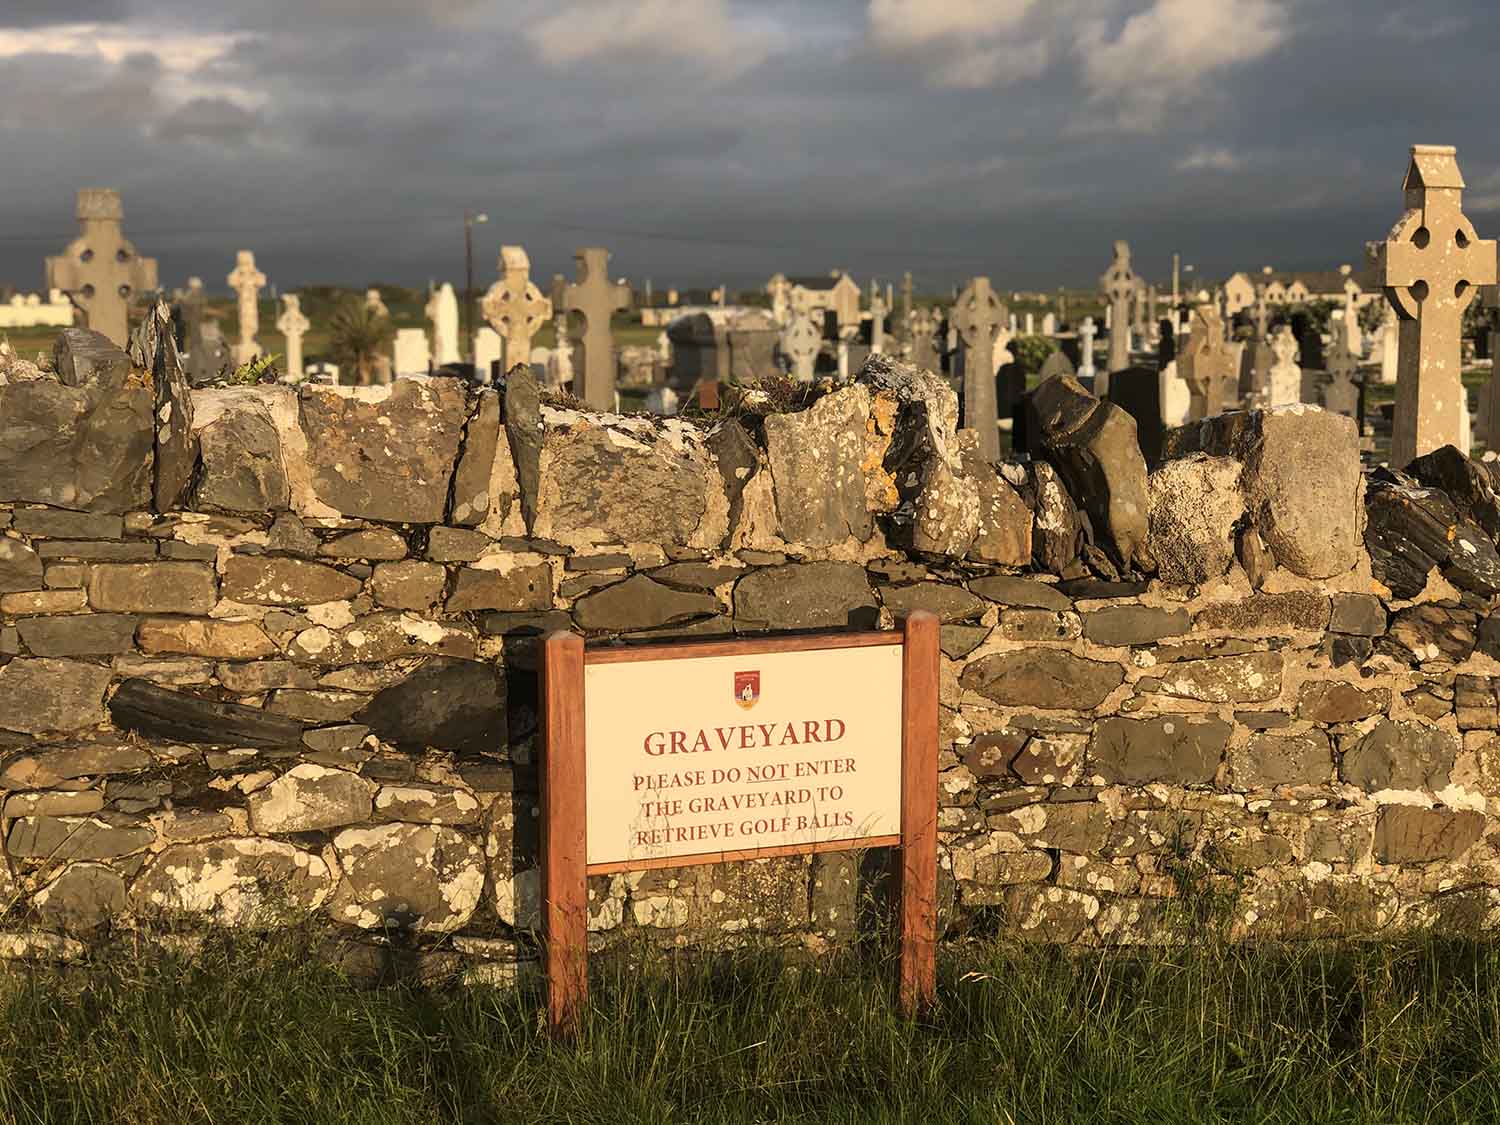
x,y
266,647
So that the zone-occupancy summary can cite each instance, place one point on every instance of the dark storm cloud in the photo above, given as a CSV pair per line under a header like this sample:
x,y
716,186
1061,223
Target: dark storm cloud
x,y
40,13
726,139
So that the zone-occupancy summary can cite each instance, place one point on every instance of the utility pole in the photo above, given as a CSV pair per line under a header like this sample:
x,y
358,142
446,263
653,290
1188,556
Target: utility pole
x,y
470,218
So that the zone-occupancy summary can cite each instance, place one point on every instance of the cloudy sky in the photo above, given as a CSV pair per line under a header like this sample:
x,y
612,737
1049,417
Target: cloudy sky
x,y
721,140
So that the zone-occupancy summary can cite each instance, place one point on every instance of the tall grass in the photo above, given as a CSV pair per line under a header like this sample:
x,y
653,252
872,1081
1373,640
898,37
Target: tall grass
x,y
262,1031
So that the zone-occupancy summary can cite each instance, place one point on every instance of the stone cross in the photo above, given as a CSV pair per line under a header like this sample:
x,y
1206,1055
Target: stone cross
x,y
1431,266
1284,386
562,350
514,306
978,315
247,282
293,324
100,269
1352,335
442,311
375,304
800,342
1260,311
1341,395
1119,285
1086,332
593,298
1206,365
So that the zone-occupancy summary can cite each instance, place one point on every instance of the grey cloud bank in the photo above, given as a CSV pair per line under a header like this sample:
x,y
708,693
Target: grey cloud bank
x,y
721,141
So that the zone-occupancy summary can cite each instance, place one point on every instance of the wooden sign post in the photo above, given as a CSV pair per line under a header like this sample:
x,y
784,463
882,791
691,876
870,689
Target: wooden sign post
x,y
845,758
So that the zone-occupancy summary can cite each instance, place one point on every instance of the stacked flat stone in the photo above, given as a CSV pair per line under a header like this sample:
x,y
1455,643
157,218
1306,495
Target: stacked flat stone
x,y
313,683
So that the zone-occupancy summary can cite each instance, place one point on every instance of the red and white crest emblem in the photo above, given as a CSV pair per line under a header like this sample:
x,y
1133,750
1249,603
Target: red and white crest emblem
x,y
747,689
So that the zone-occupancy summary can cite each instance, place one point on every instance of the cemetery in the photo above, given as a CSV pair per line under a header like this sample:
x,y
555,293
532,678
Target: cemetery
x,y
532,635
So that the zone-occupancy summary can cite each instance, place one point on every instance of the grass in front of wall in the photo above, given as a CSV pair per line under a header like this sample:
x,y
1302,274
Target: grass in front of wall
x,y
258,1030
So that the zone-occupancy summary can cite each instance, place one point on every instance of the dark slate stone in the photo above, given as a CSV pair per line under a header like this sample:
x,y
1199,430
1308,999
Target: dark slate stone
x,y
957,641
817,595
1020,591
1134,624
1057,532
640,603
1093,588
524,431
242,464
696,575
156,712
950,603
88,634
1489,636
1465,482
83,358
598,562
446,703
1400,755
1137,391
20,568
56,523
1165,748
738,457
1432,632
1333,701
154,349
1298,609
1043,677
1407,834
1343,650
1268,760
1408,531
1362,615
1473,563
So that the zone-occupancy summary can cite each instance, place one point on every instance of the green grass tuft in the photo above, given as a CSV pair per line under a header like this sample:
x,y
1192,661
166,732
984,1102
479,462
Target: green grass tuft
x,y
261,1030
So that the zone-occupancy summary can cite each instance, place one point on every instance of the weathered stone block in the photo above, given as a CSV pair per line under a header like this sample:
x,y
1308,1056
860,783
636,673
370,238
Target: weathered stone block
x,y
517,589
233,882
375,544
408,585
1195,504
1050,914
427,804
92,634
154,711
818,595
1400,755
484,484
1433,632
244,469
20,568
1300,478
1407,834
59,839
449,704
1134,624
1333,701
86,759
82,441
815,458
381,637
1252,678
83,896
640,603
414,424
1029,625
1094,446
407,876
266,580
1168,748
56,523
1362,615
1268,613
1020,592
39,602
950,603
1045,677
264,675
159,587
309,797
1267,760
209,638
51,695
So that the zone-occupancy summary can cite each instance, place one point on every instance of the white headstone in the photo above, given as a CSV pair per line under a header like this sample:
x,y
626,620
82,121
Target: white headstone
x,y
292,324
1049,324
1086,332
247,282
1175,395
1284,386
412,356
442,312
487,352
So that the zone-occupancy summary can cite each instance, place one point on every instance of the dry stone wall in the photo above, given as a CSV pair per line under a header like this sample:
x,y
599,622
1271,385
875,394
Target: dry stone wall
x,y
1256,689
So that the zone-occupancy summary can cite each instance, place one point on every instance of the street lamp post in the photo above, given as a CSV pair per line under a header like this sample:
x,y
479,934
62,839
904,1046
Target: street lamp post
x,y
470,218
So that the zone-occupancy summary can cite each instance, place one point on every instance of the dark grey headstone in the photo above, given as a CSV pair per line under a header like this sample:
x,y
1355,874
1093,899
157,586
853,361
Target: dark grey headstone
x,y
1137,391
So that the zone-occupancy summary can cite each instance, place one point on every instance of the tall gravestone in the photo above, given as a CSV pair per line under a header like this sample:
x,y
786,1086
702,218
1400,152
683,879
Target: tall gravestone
x,y
978,315
442,313
779,290
1390,336
206,355
1207,366
1431,267
1341,393
100,270
903,326
247,282
411,354
924,326
1119,285
514,307
592,300
293,324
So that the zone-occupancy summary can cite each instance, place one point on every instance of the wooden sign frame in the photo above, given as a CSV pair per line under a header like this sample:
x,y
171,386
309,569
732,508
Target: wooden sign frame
x,y
564,862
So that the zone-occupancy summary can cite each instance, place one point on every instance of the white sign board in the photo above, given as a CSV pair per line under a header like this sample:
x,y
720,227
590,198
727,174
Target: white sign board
x,y
691,757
